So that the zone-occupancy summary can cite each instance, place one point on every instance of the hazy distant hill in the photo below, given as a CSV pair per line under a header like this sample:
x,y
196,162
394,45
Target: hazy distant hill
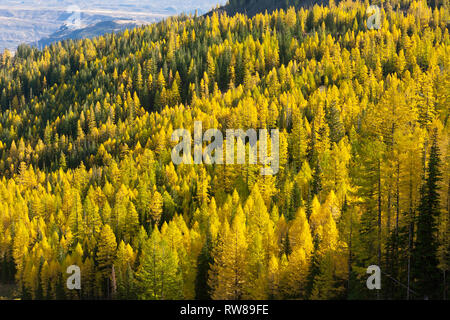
x,y
90,31
29,21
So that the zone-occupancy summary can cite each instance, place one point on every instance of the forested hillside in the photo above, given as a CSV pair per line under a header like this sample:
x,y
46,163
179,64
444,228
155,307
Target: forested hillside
x,y
253,7
87,176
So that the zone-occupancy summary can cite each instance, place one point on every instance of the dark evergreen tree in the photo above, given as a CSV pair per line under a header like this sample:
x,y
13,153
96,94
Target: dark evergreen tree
x,y
337,130
204,261
317,181
425,261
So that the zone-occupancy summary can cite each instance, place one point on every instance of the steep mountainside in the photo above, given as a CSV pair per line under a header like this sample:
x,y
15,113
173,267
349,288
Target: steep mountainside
x,y
253,7
89,176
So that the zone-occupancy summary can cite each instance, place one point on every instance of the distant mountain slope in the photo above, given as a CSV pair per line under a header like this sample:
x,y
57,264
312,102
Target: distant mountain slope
x,y
29,21
90,31
253,7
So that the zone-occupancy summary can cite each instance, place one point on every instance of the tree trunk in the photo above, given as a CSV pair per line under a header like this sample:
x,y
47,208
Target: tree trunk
x,y
349,256
379,219
409,259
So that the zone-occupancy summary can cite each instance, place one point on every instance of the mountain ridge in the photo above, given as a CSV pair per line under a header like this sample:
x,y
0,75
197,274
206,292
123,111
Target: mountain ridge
x,y
253,7
89,31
